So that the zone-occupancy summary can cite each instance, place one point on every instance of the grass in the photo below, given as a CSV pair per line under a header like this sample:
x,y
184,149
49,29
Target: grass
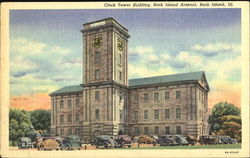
x,y
223,146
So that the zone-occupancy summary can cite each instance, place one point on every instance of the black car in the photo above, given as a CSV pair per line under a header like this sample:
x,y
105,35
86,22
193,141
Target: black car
x,y
24,143
208,139
105,141
167,140
72,142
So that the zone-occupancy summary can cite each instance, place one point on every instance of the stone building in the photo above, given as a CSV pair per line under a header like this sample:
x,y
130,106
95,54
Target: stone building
x,y
107,103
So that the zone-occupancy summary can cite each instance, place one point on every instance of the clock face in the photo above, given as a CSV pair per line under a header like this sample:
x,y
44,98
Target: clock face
x,y
97,41
120,44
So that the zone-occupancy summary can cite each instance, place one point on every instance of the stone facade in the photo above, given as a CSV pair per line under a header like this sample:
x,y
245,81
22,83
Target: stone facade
x,y
107,103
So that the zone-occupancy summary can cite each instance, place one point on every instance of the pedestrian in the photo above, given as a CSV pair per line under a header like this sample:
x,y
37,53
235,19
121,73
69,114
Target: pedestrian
x,y
85,147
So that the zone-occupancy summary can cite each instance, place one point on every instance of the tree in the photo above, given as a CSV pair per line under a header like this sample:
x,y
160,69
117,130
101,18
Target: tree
x,y
19,124
225,120
41,120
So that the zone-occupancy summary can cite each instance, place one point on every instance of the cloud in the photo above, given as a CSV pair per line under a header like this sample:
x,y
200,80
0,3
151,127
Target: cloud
x,y
31,102
215,49
141,50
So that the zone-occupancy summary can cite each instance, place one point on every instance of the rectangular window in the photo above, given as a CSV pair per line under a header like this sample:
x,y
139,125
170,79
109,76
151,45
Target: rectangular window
x,y
70,131
97,57
69,118
120,98
120,75
146,131
120,59
178,94
69,103
156,130
156,96
62,132
167,130
156,114
136,130
136,97
97,74
145,114
178,129
145,96
61,119
120,114
167,114
97,115
135,115
61,104
77,117
77,102
167,95
97,95
178,113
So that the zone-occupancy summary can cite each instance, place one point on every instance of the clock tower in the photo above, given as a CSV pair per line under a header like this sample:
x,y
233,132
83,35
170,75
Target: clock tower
x,y
105,78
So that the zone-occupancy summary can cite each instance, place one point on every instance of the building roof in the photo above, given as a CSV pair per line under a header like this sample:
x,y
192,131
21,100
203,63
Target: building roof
x,y
166,79
68,89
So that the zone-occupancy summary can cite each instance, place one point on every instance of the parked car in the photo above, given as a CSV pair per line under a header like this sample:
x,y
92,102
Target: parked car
x,y
208,139
181,140
191,139
48,143
135,139
105,141
24,143
226,140
167,140
156,138
144,139
123,140
232,140
71,142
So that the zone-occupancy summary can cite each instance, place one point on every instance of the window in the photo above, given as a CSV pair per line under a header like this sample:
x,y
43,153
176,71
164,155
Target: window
x,y
167,95
146,131
167,130
178,129
156,96
78,131
145,96
156,130
136,97
136,130
135,115
120,75
77,117
70,131
145,114
97,74
69,103
97,115
120,59
120,98
69,118
61,119
77,102
156,112
97,95
178,113
120,114
167,114
62,132
178,94
97,57
61,104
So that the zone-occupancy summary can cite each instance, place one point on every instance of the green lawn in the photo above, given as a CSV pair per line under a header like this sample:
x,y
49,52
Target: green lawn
x,y
223,146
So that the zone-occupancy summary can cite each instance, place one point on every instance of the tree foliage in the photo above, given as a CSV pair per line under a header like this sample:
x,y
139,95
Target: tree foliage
x,y
225,119
40,119
19,124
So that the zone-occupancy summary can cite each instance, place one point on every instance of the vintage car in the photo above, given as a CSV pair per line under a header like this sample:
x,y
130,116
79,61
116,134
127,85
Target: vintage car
x,y
144,139
191,139
105,141
156,138
71,142
167,140
123,140
48,143
226,140
208,139
180,140
24,143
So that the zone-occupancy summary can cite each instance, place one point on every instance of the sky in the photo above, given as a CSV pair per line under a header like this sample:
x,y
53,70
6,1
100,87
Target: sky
x,y
46,49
